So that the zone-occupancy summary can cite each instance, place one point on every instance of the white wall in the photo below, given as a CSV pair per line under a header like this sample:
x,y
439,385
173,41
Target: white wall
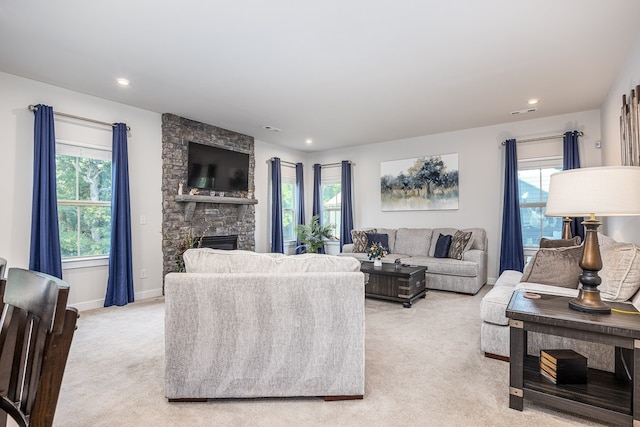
x,y
480,157
625,229
88,285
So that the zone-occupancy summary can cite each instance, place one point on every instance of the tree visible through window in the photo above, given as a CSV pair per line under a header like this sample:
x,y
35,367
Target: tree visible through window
x,y
83,185
533,188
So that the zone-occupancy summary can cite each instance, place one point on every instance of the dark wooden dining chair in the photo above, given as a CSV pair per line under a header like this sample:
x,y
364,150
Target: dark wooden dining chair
x,y
36,330
3,265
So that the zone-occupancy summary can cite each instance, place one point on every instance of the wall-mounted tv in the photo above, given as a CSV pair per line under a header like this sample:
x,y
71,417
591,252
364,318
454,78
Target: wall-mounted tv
x,y
215,168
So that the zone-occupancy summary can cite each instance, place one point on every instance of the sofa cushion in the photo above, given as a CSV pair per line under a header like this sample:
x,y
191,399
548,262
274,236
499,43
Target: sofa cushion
x,y
620,271
315,263
359,238
459,244
391,232
445,266
442,246
559,243
413,241
205,260
373,238
554,266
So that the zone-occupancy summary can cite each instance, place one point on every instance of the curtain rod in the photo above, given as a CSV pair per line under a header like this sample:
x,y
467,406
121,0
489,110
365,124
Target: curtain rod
x,y
282,162
542,138
71,116
332,165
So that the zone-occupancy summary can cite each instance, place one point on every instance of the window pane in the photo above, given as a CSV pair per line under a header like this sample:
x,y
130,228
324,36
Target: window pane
x,y
66,177
288,225
95,226
68,224
94,179
288,198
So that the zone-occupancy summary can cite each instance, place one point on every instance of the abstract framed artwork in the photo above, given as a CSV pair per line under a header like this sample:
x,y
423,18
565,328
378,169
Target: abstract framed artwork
x,y
422,183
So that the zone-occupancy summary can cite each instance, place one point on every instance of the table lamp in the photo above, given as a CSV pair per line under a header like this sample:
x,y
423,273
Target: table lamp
x,y
591,192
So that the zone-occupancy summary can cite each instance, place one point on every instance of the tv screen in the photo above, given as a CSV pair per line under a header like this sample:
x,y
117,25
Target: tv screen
x,y
216,168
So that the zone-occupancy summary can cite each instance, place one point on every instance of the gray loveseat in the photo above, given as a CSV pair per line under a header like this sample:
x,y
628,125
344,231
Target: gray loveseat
x,y
416,246
241,324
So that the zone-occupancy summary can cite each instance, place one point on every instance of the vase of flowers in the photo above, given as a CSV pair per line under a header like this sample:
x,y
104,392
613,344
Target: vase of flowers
x,y
376,252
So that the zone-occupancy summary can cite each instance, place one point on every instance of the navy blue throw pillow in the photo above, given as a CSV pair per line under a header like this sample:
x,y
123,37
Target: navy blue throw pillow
x,y
442,246
383,239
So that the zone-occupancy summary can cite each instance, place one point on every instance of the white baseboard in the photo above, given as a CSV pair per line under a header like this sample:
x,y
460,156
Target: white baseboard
x,y
99,303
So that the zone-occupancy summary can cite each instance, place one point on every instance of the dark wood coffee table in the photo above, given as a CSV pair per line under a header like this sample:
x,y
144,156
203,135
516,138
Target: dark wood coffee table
x,y
401,284
607,396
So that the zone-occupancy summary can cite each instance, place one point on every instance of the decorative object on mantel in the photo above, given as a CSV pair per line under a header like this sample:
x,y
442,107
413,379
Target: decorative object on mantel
x,y
424,183
312,236
397,263
180,188
591,192
630,129
194,191
376,252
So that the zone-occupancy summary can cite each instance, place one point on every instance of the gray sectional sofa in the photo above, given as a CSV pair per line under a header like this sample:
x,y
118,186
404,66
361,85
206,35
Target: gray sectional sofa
x,y
416,246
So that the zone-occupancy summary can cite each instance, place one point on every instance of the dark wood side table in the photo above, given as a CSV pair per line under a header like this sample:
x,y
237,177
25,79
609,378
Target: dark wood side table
x,y
402,284
606,396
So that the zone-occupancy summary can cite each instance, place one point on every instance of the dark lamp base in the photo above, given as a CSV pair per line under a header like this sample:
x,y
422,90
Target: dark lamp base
x,y
589,301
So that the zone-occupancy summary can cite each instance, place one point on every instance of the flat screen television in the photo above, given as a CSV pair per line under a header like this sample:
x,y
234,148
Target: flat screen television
x,y
215,168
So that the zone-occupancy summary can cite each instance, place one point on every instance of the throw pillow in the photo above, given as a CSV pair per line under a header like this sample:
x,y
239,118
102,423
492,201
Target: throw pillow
x,y
559,243
620,272
383,239
458,244
442,246
554,266
359,238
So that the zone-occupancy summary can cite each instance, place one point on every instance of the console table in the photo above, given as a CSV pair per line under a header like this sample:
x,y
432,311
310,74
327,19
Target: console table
x,y
607,396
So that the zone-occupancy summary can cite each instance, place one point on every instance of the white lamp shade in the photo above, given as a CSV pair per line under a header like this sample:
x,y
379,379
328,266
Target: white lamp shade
x,y
601,191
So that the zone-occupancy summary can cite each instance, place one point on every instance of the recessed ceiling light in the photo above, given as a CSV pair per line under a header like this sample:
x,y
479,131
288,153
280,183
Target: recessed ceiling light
x,y
532,101
272,128
123,82
309,141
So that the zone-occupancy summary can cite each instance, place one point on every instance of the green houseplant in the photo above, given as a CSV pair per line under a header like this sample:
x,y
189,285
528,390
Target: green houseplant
x,y
312,236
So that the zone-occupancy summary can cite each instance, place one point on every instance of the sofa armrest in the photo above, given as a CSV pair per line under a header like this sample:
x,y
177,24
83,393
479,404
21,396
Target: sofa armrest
x,y
348,248
480,258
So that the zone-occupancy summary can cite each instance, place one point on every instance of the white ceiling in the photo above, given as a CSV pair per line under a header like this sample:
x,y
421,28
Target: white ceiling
x,y
341,72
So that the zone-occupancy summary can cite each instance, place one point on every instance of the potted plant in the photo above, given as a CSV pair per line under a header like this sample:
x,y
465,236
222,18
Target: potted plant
x,y
312,236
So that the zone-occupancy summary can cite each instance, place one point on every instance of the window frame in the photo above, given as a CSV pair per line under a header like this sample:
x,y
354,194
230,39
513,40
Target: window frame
x,y
528,165
333,212
83,150
289,181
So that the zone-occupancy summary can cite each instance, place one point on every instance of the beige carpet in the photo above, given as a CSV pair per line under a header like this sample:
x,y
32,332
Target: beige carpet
x,y
423,368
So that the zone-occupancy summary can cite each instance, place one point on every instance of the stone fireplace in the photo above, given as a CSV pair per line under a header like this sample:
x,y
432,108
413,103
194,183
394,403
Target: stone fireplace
x,y
223,221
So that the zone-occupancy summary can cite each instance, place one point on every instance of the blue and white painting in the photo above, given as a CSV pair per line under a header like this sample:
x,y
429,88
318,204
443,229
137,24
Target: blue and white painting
x,y
423,183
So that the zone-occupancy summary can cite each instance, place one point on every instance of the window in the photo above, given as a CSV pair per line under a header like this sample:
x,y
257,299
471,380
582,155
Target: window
x,y
331,202
533,187
289,207
83,187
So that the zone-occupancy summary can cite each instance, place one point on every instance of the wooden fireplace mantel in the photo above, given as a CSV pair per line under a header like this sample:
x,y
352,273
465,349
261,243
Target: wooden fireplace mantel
x,y
191,201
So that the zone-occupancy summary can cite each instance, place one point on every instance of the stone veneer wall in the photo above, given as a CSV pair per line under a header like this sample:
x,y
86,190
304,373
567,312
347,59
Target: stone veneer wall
x,y
210,219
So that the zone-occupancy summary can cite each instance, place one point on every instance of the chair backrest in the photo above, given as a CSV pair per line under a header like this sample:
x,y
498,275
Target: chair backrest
x,y
36,330
3,265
